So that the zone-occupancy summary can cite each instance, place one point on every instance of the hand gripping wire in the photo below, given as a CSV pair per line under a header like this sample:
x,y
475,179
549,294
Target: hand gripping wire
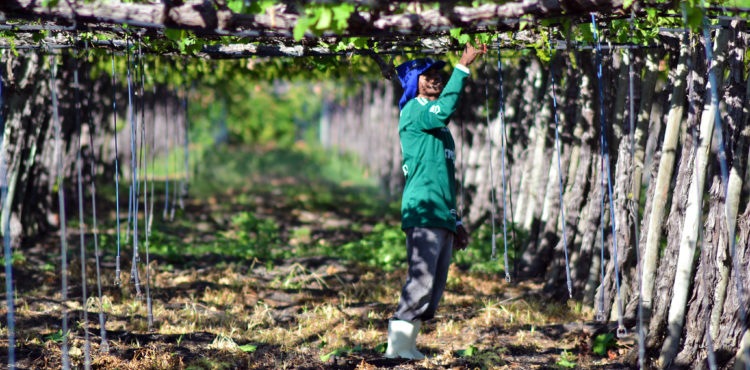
x,y
559,172
605,163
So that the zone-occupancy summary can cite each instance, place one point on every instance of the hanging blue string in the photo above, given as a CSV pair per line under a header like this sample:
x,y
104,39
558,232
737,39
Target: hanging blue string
x,y
503,149
10,315
559,171
605,163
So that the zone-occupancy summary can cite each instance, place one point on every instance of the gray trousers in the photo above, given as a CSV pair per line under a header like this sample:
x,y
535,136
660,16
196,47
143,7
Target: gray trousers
x,y
429,253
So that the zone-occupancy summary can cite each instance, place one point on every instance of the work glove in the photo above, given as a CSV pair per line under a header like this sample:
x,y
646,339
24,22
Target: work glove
x,y
461,238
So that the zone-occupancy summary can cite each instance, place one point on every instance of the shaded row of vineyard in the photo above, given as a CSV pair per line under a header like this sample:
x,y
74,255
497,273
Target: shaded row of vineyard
x,y
681,248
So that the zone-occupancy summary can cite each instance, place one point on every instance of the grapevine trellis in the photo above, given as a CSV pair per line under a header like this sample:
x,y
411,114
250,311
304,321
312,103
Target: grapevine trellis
x,y
568,185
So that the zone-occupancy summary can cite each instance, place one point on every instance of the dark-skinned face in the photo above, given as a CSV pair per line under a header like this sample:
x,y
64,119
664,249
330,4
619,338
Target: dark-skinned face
x,y
430,83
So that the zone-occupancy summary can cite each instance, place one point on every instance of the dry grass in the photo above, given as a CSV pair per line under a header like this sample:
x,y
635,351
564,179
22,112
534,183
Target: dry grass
x,y
203,318
235,313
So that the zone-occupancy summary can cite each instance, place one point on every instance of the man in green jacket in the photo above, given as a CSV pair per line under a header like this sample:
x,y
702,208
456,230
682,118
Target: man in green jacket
x,y
428,205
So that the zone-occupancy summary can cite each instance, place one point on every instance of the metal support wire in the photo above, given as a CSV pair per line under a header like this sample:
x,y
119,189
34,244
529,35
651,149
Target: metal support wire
x,y
634,207
621,331
81,218
493,199
133,182
241,51
166,159
7,250
186,147
61,219
103,345
144,164
117,174
503,150
562,189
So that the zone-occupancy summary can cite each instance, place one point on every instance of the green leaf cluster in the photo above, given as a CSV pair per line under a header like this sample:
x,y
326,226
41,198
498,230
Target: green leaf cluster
x,y
185,41
319,18
468,352
259,237
567,360
10,38
383,247
603,343
257,112
340,352
474,38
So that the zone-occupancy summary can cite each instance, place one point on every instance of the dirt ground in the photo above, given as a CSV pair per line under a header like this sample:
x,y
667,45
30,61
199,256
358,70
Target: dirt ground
x,y
214,312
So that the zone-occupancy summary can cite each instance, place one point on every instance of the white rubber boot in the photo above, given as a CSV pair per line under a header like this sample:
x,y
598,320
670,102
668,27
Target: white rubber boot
x,y
402,336
414,351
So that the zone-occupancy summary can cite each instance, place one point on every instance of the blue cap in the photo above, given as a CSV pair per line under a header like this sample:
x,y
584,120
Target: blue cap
x,y
408,74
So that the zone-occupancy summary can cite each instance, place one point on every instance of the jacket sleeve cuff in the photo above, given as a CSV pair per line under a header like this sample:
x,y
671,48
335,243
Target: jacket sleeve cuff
x,y
462,68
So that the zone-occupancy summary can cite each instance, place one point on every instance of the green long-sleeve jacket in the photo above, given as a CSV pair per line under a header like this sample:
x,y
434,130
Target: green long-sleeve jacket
x,y
429,198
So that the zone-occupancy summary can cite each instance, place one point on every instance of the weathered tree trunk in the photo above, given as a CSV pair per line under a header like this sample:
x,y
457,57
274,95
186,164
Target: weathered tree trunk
x,y
532,92
622,195
585,227
575,169
712,274
666,185
659,201
647,92
733,324
667,264
32,170
742,358
557,177
694,210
